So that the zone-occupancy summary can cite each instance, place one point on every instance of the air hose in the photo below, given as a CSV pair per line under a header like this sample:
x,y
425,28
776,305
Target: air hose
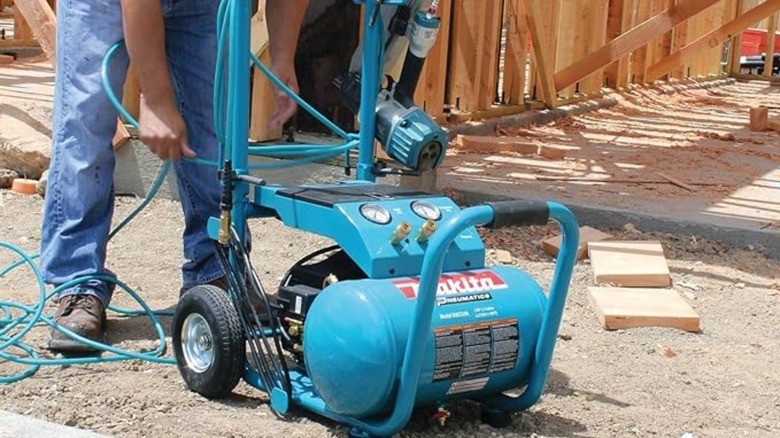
x,y
17,319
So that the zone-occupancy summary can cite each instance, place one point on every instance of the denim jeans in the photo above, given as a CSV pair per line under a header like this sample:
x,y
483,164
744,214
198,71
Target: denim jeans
x,y
79,203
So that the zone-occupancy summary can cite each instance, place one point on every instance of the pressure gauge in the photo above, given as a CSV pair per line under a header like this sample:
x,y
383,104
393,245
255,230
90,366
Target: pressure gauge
x,y
426,210
375,213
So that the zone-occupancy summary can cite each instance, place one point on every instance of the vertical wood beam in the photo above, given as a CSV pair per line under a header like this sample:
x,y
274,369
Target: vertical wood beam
x,y
639,57
733,9
615,27
542,24
771,35
596,13
516,57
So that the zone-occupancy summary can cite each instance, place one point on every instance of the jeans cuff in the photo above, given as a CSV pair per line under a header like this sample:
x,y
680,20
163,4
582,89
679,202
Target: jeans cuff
x,y
104,297
203,279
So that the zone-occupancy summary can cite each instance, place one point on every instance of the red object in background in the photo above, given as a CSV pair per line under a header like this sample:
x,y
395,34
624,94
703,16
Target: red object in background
x,y
754,42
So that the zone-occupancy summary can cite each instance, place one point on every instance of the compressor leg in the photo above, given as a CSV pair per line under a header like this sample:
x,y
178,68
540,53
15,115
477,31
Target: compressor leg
x,y
495,418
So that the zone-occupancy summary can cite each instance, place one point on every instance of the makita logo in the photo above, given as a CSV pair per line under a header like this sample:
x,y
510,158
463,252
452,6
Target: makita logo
x,y
457,283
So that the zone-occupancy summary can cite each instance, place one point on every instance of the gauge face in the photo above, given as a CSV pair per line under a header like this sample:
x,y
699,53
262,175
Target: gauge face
x,y
426,210
375,213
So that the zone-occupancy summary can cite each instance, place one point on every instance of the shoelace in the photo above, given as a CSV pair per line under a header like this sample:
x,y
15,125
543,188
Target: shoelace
x,y
79,302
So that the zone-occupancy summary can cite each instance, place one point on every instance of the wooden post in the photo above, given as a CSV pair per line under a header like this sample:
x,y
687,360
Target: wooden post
x,y
771,33
679,40
733,9
619,21
542,24
639,57
568,40
596,12
475,48
516,52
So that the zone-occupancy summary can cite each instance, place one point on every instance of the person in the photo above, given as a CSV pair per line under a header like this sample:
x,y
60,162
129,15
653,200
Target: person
x,y
172,45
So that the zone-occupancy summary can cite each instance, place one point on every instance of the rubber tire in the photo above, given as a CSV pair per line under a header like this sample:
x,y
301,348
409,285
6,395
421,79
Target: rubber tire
x,y
214,305
496,419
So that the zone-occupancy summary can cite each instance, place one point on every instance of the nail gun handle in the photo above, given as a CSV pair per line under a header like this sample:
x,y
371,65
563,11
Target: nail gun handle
x,y
518,213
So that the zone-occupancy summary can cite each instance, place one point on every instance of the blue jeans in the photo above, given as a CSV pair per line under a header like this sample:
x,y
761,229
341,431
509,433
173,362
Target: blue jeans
x,y
79,202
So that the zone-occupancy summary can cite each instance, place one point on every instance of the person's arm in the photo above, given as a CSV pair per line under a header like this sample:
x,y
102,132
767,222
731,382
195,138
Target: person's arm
x,y
284,18
162,127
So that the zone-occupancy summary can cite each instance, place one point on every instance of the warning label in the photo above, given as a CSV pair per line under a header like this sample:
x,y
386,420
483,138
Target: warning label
x,y
475,349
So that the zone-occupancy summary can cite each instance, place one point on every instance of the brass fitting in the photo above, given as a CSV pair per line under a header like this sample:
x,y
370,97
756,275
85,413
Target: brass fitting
x,y
426,231
294,330
224,227
401,232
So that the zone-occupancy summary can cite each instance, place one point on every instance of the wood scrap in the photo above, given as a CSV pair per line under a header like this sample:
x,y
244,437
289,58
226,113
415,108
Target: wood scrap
x,y
620,308
40,16
759,119
491,145
121,136
676,182
629,263
587,234
6,59
617,180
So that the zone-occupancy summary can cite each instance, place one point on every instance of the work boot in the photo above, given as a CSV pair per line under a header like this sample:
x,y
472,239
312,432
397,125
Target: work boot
x,y
82,314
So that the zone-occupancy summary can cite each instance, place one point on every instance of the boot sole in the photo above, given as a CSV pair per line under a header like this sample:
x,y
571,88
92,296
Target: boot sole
x,y
71,346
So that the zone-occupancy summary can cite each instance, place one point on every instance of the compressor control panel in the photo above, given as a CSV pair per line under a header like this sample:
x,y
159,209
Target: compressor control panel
x,y
384,229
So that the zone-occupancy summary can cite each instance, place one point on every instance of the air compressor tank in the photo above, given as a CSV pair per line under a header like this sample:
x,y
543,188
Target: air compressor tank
x,y
483,334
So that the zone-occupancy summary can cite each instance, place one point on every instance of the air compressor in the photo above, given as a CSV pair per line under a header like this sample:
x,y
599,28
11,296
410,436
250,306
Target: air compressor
x,y
402,311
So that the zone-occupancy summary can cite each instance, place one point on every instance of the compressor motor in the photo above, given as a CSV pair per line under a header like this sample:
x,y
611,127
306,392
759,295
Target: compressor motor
x,y
405,131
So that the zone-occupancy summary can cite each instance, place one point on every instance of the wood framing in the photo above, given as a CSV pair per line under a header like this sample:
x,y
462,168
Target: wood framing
x,y
40,16
715,37
631,40
542,31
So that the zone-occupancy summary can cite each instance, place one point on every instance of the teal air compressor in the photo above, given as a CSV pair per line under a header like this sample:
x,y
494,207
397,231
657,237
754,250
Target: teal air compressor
x,y
402,310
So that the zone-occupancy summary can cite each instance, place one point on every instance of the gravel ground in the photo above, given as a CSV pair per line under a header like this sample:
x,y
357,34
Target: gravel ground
x,y
723,382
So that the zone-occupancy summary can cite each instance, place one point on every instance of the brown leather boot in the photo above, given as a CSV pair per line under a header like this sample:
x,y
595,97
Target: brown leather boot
x,y
83,315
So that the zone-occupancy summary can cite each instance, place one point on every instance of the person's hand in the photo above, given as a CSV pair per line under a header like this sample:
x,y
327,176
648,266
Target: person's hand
x,y
285,106
163,131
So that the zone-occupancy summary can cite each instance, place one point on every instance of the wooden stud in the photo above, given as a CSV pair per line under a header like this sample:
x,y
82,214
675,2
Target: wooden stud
x,y
542,24
633,40
629,264
131,97
759,119
619,21
22,30
733,9
14,43
771,35
620,308
516,53
715,37
679,40
570,42
596,12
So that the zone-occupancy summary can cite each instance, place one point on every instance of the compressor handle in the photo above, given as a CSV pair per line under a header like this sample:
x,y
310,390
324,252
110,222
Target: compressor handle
x,y
518,213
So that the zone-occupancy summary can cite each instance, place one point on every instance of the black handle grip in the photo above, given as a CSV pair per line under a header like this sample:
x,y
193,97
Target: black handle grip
x,y
519,213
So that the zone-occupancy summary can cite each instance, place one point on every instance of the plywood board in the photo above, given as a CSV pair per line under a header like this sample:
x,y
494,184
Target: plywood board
x,y
587,234
630,263
620,308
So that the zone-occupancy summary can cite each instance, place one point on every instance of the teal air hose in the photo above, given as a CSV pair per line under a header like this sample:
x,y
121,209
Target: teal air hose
x,y
13,328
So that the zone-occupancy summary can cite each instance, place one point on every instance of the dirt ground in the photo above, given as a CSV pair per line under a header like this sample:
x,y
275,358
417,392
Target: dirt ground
x,y
723,382
614,157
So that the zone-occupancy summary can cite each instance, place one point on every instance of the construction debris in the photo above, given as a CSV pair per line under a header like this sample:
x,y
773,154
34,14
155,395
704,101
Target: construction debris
x,y
666,351
621,308
24,186
630,263
7,177
587,234
492,145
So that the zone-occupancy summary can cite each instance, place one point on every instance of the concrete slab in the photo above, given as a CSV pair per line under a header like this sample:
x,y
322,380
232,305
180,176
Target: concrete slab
x,y
20,426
